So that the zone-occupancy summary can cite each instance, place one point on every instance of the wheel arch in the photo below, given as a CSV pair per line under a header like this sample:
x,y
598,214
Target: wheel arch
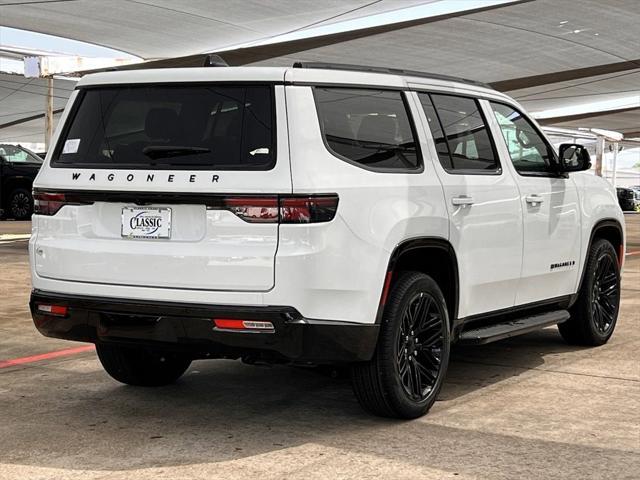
x,y
611,230
13,182
433,256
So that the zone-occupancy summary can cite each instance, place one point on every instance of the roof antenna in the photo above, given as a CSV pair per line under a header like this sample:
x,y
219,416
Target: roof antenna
x,y
213,60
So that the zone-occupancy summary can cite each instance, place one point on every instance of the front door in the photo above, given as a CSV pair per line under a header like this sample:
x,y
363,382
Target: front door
x,y
550,209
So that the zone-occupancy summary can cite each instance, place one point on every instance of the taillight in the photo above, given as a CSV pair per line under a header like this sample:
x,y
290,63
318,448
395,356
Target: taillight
x,y
311,209
48,203
253,209
281,209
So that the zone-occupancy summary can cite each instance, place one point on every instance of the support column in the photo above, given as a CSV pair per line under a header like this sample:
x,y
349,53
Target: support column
x,y
48,114
599,154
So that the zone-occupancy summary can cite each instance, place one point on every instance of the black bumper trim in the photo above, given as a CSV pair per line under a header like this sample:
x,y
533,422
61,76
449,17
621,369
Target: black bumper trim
x,y
189,327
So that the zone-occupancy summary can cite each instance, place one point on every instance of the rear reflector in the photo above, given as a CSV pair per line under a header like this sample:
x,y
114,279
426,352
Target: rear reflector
x,y
59,310
234,324
385,289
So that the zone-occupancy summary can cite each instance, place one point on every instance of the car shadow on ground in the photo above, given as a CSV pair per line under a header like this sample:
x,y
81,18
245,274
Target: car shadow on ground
x,y
222,410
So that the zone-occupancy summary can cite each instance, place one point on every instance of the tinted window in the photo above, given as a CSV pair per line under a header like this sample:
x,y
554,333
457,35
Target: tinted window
x,y
15,154
460,133
528,150
369,127
436,132
202,127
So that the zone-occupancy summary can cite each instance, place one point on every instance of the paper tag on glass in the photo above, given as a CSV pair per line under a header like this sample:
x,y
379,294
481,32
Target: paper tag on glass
x,y
71,146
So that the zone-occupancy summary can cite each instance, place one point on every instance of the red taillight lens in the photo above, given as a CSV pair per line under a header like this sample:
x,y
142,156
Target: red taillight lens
x,y
236,324
45,203
57,310
48,203
283,208
311,209
253,209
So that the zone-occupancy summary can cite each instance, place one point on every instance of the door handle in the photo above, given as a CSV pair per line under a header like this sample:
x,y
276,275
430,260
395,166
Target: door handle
x,y
534,199
462,200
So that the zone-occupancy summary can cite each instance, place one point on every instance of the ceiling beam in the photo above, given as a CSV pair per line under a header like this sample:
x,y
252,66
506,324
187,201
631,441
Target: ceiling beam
x,y
28,119
583,116
565,75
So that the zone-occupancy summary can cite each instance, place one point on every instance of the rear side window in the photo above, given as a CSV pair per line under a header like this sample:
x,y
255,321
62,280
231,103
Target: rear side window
x,y
460,133
203,127
370,128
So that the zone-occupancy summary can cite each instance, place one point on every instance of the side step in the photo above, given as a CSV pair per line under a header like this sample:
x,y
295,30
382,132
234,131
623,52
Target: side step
x,y
512,328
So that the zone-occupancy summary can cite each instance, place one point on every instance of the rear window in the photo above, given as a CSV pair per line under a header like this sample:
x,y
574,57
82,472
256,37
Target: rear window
x,y
203,127
368,127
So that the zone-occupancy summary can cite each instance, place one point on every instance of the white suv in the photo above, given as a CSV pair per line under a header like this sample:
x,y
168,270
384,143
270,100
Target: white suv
x,y
319,215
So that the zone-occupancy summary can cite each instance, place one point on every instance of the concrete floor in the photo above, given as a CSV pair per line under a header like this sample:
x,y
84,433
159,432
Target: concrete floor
x,y
530,407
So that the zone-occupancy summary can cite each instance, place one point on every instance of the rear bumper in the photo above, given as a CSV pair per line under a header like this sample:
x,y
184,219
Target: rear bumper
x,y
189,327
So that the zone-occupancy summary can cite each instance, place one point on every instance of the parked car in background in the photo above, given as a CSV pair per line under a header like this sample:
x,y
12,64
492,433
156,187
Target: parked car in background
x,y
636,189
628,198
18,168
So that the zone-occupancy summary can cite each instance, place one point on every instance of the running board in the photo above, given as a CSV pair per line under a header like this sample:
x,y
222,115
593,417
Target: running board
x,y
500,331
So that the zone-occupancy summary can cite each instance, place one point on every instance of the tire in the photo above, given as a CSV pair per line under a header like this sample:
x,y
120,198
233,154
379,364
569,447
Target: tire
x,y
595,312
142,367
380,385
20,204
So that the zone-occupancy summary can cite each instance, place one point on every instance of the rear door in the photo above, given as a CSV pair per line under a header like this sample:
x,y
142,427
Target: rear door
x,y
482,198
171,185
550,208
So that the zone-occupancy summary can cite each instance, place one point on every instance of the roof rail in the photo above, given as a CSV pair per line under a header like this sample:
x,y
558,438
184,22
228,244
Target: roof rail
x,y
392,71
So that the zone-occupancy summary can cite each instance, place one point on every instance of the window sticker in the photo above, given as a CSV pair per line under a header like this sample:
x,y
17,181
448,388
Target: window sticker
x,y
71,146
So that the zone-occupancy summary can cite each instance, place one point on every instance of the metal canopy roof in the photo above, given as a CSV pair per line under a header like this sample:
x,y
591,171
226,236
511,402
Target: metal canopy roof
x,y
548,54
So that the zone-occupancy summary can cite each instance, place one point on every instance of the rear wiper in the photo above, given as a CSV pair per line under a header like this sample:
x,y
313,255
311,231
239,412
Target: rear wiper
x,y
166,151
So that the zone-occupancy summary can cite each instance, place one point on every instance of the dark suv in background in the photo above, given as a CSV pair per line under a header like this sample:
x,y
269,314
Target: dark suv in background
x,y
18,168
628,198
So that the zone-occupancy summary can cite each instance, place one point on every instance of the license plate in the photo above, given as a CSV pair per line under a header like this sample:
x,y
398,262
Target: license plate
x,y
146,222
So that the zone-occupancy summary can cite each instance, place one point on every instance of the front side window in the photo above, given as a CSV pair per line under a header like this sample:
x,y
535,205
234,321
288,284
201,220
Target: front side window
x,y
170,126
460,133
529,151
368,127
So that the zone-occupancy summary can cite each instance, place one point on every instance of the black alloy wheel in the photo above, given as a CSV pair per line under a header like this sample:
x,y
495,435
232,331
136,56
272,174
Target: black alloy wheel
x,y
20,204
407,370
420,344
595,312
605,294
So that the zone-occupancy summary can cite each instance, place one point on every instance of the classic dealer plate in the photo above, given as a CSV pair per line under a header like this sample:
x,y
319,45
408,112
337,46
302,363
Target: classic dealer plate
x,y
146,222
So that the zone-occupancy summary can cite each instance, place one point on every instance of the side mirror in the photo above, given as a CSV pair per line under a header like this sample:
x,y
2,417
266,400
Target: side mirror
x,y
574,158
